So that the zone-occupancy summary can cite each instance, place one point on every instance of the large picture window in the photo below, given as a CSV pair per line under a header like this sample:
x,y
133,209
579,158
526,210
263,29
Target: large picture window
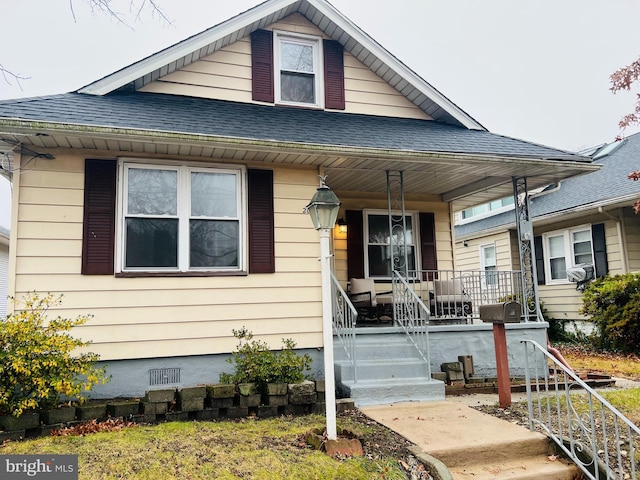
x,y
181,218
380,246
565,249
298,67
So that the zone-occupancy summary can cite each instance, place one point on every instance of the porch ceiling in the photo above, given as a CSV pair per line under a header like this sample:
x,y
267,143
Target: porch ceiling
x,y
462,179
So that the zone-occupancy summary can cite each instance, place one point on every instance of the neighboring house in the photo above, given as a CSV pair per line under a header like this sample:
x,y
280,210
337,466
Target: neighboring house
x,y
166,199
584,220
4,270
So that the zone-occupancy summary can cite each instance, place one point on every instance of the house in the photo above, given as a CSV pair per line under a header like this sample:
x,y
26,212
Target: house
x,y
584,220
4,270
166,199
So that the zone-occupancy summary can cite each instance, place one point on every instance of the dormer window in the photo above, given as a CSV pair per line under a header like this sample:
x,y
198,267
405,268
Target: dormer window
x,y
297,70
298,63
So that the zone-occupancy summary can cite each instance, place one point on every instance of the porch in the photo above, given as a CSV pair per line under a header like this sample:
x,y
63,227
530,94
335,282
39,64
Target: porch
x,y
450,296
394,358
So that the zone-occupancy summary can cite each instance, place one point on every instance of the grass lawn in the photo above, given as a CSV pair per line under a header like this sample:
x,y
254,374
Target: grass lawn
x,y
625,366
248,449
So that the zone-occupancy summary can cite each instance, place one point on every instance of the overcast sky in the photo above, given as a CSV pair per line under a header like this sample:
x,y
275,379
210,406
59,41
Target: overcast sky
x,y
531,69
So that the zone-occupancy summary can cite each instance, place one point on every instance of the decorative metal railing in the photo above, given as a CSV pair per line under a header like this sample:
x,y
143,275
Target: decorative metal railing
x,y
344,322
412,316
459,293
593,433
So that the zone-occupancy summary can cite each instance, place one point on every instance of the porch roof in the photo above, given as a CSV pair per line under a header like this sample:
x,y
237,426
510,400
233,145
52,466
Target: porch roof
x,y
459,164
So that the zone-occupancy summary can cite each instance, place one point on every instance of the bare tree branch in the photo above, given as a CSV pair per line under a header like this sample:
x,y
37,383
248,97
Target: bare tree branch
x,y
9,76
136,7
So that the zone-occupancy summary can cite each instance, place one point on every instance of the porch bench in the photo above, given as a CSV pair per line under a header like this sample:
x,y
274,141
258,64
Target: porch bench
x,y
449,299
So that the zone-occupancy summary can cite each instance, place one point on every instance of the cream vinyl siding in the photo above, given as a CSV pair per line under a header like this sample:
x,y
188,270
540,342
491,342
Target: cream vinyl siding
x,y
167,316
226,75
468,258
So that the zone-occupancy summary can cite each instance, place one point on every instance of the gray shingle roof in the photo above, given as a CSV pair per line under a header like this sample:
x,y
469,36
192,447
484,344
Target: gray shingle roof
x,y
176,114
607,185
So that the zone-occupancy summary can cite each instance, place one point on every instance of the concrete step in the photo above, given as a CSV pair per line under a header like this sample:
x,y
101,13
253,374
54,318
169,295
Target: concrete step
x,y
515,458
370,347
387,369
365,393
497,451
530,468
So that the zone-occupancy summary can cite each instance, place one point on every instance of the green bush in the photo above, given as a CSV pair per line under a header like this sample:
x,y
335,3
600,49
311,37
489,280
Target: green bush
x,y
613,303
256,363
39,362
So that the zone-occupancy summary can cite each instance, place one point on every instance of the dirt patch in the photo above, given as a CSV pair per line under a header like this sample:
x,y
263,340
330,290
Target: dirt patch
x,y
381,442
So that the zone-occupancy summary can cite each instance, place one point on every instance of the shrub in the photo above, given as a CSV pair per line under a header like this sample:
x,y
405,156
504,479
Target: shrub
x,y
38,358
256,363
613,303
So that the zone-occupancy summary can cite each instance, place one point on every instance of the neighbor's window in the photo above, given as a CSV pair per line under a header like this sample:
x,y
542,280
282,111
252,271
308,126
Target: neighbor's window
x,y
489,264
181,218
566,249
380,246
298,68
487,209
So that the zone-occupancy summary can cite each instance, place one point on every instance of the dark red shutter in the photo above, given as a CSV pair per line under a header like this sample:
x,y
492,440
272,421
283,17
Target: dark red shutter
x,y
333,75
599,250
98,231
428,243
355,244
261,235
262,66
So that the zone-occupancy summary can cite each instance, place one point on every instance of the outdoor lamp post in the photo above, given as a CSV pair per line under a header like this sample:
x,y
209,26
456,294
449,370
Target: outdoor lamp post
x,y
323,209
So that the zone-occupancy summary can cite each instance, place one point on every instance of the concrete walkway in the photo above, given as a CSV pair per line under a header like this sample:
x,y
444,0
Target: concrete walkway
x,y
458,442
467,443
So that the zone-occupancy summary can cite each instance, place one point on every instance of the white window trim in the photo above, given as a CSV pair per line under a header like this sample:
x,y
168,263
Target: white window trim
x,y
483,265
316,43
416,237
568,251
183,212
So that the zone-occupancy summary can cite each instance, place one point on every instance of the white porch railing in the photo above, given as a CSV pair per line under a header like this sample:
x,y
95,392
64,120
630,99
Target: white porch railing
x,y
460,293
593,433
344,322
412,316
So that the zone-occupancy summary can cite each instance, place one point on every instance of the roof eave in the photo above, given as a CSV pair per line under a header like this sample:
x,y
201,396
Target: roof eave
x,y
27,127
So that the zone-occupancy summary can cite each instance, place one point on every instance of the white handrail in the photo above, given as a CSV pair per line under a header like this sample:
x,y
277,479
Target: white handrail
x,y
591,431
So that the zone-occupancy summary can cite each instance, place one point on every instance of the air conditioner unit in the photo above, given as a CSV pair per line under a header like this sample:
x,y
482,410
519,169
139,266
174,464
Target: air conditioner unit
x,y
581,275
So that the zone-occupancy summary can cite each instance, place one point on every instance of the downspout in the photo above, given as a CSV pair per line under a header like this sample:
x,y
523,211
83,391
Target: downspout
x,y
621,239
13,235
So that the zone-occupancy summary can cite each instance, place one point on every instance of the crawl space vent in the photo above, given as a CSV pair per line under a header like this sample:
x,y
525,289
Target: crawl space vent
x,y
164,376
